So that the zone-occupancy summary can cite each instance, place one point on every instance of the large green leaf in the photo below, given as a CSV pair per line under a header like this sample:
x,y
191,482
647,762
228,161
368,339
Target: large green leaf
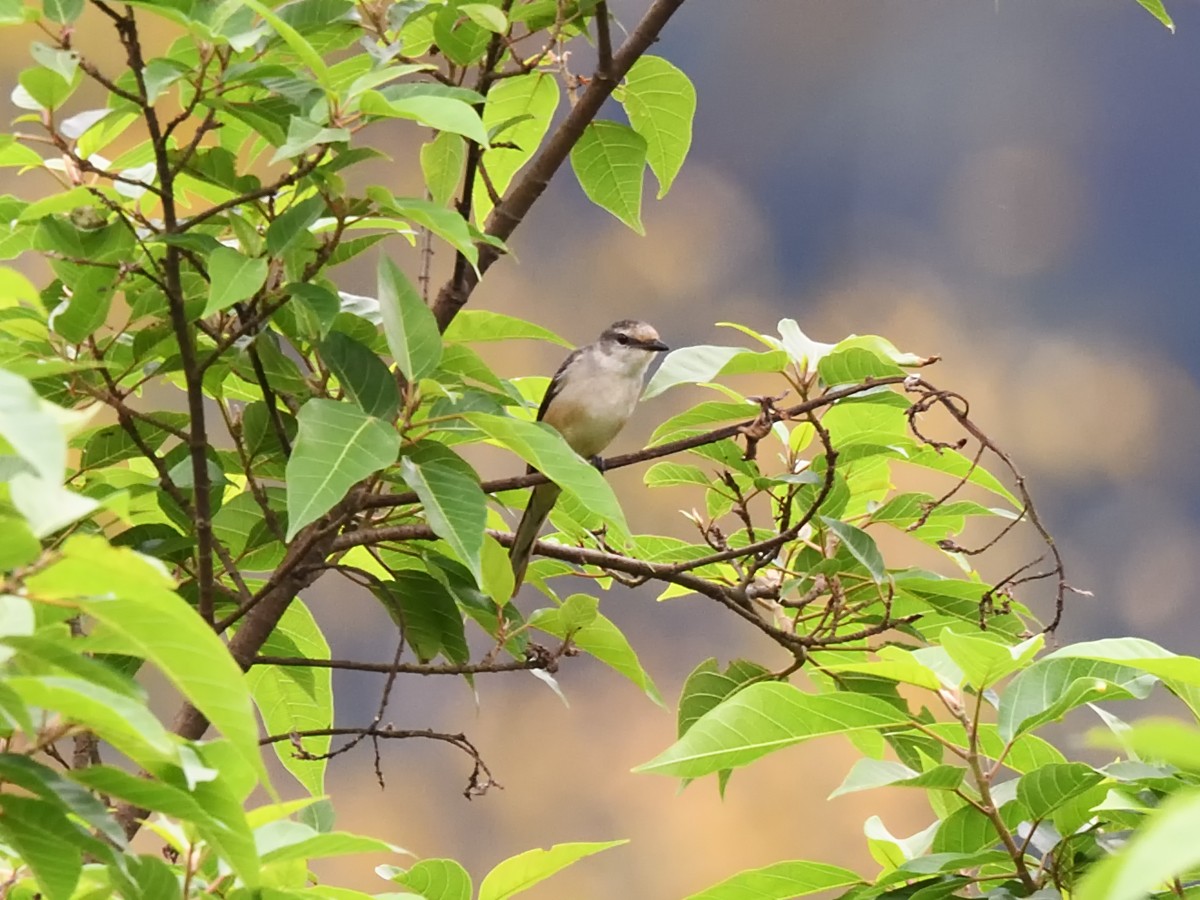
x,y
517,115
762,718
427,614
411,331
707,686
1156,9
609,160
436,879
484,325
220,822
134,600
861,546
337,446
118,719
781,881
1162,849
874,773
1044,790
234,277
985,659
703,363
442,162
1053,686
29,429
600,638
544,449
455,505
661,103
446,114
517,874
45,840
296,698
362,374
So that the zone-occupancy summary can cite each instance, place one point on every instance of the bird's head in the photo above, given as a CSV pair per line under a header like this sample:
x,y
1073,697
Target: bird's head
x,y
631,341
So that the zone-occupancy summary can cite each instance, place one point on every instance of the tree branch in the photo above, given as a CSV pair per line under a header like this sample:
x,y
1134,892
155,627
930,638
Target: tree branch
x,y
505,218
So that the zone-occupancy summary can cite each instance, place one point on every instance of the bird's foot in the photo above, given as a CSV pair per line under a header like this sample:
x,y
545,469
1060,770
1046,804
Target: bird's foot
x,y
598,462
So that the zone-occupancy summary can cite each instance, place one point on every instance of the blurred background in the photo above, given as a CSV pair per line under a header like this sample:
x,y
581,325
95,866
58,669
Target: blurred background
x,y
1013,185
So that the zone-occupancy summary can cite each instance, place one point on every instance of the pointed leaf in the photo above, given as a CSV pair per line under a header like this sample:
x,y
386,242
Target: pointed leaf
x,y
861,546
362,374
337,446
529,102
762,718
781,881
442,161
411,331
661,103
609,161
235,277
519,873
455,506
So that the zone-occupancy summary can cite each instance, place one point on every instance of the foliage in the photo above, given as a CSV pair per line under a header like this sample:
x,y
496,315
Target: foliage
x,y
324,432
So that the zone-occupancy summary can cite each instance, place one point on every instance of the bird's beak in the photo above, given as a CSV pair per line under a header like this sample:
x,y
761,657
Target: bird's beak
x,y
656,345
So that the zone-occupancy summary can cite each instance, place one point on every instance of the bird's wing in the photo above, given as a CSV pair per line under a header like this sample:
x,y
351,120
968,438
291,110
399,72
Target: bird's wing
x,y
556,383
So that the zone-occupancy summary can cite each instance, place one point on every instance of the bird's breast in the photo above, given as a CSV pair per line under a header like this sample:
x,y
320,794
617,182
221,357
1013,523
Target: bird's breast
x,y
589,412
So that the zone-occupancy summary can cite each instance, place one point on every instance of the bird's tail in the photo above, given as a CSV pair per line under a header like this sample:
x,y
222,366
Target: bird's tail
x,y
541,501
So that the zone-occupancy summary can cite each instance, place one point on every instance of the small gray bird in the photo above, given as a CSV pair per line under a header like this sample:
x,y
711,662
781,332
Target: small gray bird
x,y
589,400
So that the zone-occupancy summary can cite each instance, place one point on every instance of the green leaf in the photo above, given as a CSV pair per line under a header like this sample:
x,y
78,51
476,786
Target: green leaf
x,y
1044,790
295,221
427,613
218,820
668,473
285,840
1156,739
861,546
1139,653
234,278
457,36
1052,686
409,326
303,134
337,446
873,773
781,881
600,638
703,363
302,48
1162,849
528,102
544,449
442,161
985,659
446,114
661,103
20,545
762,718
706,687
296,698
609,160
29,428
134,599
1156,9
482,325
121,721
485,16
455,506
68,796
437,879
517,874
362,374
854,365
63,11
44,839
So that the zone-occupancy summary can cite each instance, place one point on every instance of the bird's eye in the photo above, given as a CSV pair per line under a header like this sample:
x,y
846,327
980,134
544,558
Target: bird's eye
x,y
622,339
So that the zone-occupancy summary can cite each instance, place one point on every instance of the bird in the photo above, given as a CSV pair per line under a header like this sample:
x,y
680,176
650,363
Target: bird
x,y
588,401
